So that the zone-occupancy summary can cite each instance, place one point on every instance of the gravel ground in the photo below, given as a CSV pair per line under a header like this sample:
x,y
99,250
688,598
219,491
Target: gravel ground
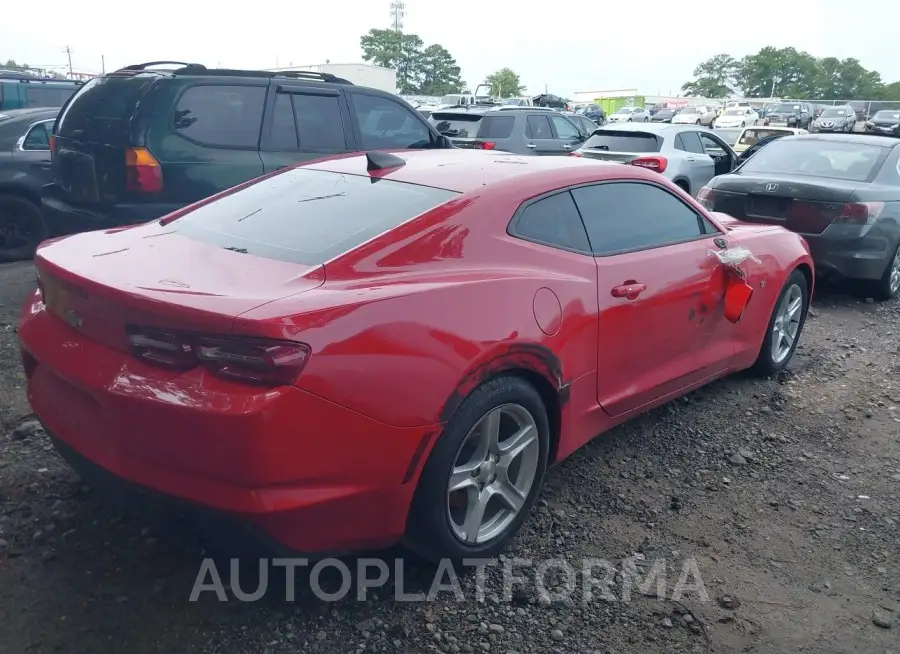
x,y
784,494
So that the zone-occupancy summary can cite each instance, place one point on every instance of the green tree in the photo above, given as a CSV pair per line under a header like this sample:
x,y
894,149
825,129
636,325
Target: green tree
x,y
505,83
713,78
440,74
786,72
394,49
891,92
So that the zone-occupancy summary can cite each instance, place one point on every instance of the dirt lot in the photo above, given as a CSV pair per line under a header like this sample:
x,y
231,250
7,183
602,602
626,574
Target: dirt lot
x,y
786,493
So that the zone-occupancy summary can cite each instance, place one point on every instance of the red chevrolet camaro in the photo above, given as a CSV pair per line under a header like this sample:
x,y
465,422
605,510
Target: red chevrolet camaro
x,y
384,348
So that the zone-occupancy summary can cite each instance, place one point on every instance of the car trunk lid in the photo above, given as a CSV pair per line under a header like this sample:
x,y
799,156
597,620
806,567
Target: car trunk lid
x,y
93,134
802,204
101,282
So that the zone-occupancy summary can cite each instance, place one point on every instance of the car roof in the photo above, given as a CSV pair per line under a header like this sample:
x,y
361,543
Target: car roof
x,y
650,128
880,141
464,170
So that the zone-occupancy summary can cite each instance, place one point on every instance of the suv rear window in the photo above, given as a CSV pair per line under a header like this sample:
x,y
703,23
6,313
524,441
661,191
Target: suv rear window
x,y
101,110
622,141
456,125
496,127
47,96
223,116
282,217
817,158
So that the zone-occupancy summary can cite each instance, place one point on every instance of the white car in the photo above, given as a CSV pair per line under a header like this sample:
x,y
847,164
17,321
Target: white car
x,y
737,117
700,115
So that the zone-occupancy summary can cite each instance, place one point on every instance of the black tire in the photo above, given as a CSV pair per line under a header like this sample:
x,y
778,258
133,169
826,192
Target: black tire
x,y
766,365
428,530
881,289
22,228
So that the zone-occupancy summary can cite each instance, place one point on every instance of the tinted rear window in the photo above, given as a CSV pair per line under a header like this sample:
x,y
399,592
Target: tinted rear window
x,y
456,125
47,96
101,110
817,158
308,216
496,127
621,141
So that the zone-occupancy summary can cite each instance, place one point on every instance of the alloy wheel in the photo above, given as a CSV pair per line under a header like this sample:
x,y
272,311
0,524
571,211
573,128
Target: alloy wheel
x,y
492,474
787,323
894,279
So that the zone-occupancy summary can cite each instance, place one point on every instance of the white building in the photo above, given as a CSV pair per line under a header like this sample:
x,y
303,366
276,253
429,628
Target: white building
x,y
375,77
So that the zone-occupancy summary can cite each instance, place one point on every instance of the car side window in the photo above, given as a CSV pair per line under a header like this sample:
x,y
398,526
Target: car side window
x,y
565,129
552,220
282,129
538,127
319,124
627,216
689,142
38,137
220,116
711,146
385,124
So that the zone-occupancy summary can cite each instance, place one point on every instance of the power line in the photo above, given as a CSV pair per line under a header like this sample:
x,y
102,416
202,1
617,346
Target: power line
x,y
398,11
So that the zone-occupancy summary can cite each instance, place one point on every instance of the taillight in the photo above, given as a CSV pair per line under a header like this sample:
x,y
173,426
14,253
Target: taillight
x,y
577,153
657,164
52,145
707,198
484,145
244,359
143,173
860,213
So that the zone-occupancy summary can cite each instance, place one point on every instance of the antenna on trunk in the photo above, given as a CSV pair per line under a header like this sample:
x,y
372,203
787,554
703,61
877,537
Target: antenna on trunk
x,y
383,161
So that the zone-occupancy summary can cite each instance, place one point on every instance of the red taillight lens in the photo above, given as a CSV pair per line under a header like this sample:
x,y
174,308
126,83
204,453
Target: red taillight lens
x,y
52,144
860,213
657,164
577,153
243,359
143,173
484,145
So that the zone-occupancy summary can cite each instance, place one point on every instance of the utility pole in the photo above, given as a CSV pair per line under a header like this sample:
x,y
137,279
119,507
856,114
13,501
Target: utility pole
x,y
398,11
69,55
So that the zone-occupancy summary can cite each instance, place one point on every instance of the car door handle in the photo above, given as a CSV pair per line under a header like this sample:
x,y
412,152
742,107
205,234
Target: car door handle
x,y
530,145
689,159
629,290
567,147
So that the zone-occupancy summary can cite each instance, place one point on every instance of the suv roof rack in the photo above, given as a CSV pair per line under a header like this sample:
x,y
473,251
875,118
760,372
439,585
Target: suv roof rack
x,y
515,107
185,68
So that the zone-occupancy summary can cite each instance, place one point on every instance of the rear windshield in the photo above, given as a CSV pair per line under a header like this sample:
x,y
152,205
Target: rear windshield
x,y
621,141
307,216
101,110
817,158
456,125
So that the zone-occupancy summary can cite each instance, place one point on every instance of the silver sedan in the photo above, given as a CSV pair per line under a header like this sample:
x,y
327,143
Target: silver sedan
x,y
688,155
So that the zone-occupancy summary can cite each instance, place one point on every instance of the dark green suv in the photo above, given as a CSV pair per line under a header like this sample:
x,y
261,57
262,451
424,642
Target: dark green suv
x,y
138,143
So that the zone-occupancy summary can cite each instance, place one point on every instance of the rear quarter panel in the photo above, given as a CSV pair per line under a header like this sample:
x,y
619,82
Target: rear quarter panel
x,y
407,325
779,252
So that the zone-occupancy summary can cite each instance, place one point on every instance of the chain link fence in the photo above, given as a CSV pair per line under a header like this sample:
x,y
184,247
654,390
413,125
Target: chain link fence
x,y
864,109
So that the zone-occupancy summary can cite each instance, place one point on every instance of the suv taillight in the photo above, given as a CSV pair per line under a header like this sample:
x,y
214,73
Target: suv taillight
x,y
484,145
143,173
707,198
263,361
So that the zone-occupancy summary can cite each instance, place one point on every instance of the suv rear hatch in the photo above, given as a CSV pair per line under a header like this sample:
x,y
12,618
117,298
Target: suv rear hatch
x,y
620,145
93,134
474,130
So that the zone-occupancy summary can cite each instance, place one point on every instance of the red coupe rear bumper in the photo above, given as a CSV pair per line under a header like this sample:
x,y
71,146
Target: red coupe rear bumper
x,y
306,473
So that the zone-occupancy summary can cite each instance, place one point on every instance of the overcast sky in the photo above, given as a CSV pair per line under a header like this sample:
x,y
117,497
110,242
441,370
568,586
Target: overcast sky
x,y
577,45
